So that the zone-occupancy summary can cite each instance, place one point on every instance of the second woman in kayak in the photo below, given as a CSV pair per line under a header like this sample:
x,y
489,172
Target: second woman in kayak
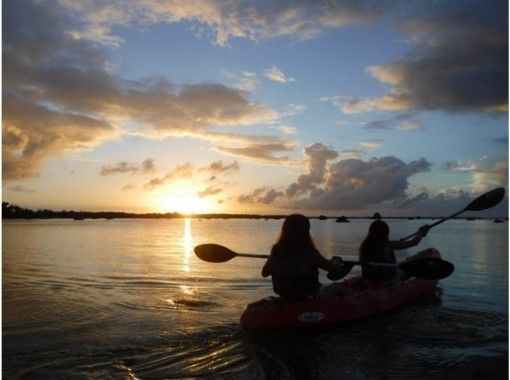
x,y
378,248
294,264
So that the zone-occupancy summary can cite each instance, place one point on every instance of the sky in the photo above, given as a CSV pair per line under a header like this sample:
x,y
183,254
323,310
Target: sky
x,y
265,107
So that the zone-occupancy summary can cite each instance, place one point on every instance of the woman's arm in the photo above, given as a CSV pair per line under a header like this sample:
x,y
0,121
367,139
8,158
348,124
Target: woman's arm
x,y
398,245
266,269
324,263
335,267
330,265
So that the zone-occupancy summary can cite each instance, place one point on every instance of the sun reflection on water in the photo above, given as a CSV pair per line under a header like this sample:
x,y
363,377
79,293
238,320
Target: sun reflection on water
x,y
186,289
188,244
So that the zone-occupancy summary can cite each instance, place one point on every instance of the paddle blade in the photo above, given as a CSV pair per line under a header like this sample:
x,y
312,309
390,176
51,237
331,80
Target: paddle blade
x,y
428,268
214,253
487,200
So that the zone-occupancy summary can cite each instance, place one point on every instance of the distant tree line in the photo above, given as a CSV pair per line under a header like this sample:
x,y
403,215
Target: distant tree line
x,y
12,211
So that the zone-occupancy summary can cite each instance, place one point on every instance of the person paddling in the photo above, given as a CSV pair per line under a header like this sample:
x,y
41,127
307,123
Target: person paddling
x,y
294,264
378,248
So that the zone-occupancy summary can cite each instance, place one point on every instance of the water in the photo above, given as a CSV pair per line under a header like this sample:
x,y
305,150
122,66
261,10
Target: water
x,y
127,299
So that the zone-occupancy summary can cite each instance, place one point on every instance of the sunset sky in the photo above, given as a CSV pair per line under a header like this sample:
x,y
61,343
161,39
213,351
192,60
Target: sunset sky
x,y
331,107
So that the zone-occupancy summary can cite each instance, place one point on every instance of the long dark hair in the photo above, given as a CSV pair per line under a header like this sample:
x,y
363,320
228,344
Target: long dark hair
x,y
295,237
377,238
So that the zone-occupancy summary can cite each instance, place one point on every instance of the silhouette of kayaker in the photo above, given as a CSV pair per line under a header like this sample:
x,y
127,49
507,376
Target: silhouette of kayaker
x,y
294,264
378,248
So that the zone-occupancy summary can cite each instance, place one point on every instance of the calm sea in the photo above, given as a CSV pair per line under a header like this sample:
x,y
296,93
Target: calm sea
x,y
127,299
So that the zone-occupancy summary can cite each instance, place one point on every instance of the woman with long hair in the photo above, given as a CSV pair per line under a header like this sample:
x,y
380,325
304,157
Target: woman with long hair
x,y
294,264
377,247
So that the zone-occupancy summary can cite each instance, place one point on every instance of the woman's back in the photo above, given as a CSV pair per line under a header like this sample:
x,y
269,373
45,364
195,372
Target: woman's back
x,y
295,274
379,253
377,248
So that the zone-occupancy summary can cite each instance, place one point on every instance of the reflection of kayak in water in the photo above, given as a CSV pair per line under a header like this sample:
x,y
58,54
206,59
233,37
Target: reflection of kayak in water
x,y
272,312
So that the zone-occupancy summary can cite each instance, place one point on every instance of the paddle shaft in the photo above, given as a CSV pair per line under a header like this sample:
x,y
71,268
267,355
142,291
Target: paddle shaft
x,y
255,256
390,265
432,268
435,224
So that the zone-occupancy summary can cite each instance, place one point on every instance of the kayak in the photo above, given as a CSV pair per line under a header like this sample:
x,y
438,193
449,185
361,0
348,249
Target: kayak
x,y
273,313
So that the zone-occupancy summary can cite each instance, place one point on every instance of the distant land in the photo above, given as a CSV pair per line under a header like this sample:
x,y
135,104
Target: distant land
x,y
11,211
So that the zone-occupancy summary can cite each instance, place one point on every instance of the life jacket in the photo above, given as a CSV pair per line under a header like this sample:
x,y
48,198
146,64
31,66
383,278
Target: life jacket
x,y
379,275
294,279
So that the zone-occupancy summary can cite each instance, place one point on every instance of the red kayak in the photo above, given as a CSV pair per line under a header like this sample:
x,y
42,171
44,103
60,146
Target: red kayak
x,y
273,313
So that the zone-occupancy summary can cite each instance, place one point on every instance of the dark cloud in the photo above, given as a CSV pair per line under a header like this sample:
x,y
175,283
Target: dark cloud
x,y
459,61
263,195
270,196
411,201
378,125
354,184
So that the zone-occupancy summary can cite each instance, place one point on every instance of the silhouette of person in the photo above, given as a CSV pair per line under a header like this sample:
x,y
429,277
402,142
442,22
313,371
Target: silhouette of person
x,y
294,264
378,248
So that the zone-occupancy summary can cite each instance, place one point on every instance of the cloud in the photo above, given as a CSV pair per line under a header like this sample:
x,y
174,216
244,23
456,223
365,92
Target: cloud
x,y
262,152
210,191
286,129
246,81
146,166
458,59
179,172
377,125
20,189
32,133
263,195
413,200
59,94
351,153
401,122
218,167
409,126
270,196
294,109
371,143
355,184
317,156
276,75
494,176
222,20
250,198
129,187
459,62
345,184
487,172
464,166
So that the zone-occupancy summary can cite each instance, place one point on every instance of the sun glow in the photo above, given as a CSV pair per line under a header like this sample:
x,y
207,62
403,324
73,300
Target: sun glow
x,y
184,201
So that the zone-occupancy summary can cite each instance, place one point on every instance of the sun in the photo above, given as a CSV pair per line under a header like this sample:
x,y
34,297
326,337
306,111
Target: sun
x,y
184,201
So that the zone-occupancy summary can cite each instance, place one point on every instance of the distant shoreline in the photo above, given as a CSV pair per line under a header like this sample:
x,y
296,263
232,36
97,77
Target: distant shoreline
x,y
10,211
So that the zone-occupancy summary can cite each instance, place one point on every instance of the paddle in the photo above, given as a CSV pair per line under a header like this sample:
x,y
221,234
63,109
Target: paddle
x,y
483,202
427,268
